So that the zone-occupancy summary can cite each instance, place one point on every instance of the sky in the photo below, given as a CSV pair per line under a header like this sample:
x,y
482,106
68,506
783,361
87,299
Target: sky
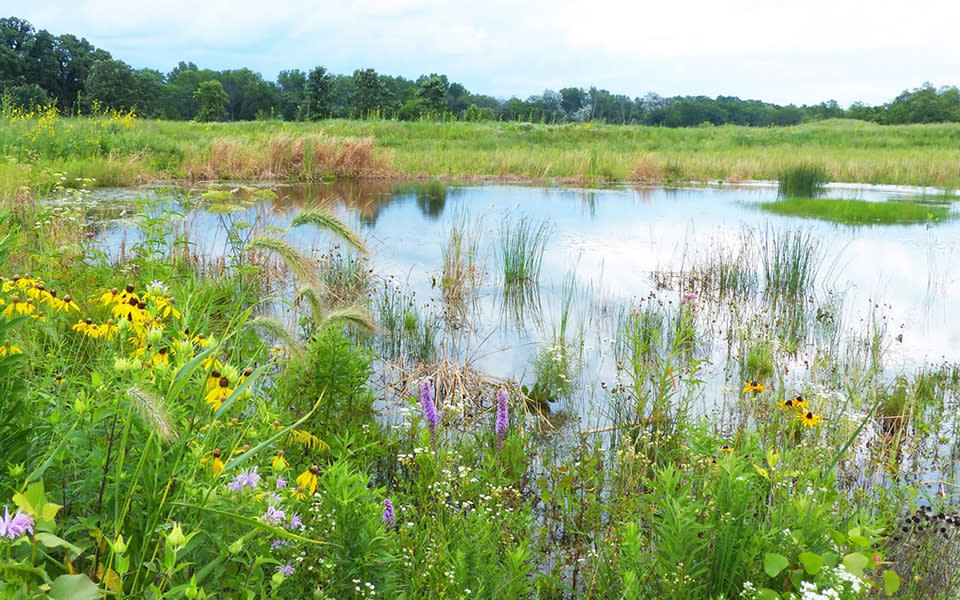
x,y
782,52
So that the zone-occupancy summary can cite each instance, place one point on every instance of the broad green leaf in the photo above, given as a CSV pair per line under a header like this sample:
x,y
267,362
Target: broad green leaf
x,y
767,594
860,540
812,563
773,563
52,541
856,562
74,587
891,582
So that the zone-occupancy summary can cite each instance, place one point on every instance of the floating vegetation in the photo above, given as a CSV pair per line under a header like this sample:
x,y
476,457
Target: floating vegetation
x,y
859,212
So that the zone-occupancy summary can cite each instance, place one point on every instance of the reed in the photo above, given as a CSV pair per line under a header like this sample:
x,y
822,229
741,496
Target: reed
x,y
803,180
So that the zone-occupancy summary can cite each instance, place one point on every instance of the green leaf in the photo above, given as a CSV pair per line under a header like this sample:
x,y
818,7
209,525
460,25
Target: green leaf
x,y
891,582
856,562
773,563
255,523
52,541
860,540
812,563
767,594
74,587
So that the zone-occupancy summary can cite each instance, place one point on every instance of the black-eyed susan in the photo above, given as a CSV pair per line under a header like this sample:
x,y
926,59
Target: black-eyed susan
x,y
786,404
216,396
308,479
214,379
800,404
726,448
279,462
809,419
109,297
754,387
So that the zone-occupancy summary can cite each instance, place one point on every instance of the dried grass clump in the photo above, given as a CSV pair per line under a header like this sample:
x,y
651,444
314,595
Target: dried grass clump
x,y
647,169
293,158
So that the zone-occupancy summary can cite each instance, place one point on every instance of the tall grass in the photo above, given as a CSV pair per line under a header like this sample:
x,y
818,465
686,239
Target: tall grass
x,y
790,260
520,250
804,180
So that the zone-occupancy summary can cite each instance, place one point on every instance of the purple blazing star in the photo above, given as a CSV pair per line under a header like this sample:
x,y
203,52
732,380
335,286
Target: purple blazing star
x,y
429,408
389,516
503,416
15,526
274,516
245,478
286,569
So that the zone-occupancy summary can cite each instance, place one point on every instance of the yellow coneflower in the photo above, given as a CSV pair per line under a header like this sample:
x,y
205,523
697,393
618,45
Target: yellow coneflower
x,y
108,297
810,419
83,326
109,330
8,349
755,387
218,394
279,462
200,341
162,356
216,464
127,295
308,479
165,307
20,306
297,493
58,379
786,404
214,380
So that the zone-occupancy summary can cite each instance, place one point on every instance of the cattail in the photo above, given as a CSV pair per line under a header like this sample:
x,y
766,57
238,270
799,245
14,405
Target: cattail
x,y
503,416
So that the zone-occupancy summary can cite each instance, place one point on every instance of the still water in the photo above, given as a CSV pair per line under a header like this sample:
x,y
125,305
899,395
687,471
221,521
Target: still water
x,y
607,251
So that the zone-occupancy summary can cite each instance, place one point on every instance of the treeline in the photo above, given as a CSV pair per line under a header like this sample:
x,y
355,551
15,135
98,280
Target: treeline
x,y
40,69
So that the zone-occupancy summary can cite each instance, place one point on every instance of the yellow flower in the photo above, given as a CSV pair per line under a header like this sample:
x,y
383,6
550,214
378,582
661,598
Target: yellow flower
x,y
218,394
8,349
162,356
810,419
726,448
800,404
19,306
298,493
109,297
279,462
216,464
753,386
308,479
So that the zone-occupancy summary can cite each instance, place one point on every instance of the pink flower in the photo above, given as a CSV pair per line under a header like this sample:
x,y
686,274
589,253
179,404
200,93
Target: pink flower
x,y
15,526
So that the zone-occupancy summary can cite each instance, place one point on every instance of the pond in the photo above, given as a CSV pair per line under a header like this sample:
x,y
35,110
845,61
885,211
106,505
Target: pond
x,y
868,297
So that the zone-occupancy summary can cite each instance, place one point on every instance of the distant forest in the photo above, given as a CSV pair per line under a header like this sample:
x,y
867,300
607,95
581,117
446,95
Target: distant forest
x,y
38,68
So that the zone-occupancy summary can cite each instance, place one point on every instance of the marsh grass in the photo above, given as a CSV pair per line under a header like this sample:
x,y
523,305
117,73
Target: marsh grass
x,y
803,180
859,212
464,269
520,250
789,261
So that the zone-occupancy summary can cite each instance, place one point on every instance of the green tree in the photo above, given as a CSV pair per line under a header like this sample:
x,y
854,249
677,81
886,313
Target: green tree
x,y
112,83
433,96
292,92
317,91
370,94
213,101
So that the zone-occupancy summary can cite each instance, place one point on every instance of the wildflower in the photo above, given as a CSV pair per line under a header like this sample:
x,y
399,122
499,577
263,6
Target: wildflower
x,y
800,404
279,462
295,521
109,297
308,479
786,404
281,483
810,419
286,569
389,516
246,478
726,448
503,416
218,394
19,306
689,300
8,349
15,526
429,408
216,464
755,387
274,516
298,493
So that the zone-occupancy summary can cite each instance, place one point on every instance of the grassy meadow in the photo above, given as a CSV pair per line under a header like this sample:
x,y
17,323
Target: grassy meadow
x,y
181,425
42,150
